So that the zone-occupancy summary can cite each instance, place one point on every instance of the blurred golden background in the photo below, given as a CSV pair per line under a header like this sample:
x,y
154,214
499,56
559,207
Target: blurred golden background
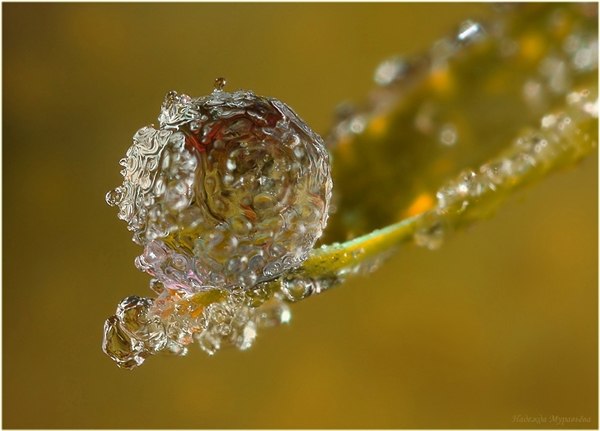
x,y
500,322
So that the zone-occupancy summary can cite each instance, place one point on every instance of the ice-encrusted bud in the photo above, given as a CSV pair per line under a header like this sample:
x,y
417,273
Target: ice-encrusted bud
x,y
233,189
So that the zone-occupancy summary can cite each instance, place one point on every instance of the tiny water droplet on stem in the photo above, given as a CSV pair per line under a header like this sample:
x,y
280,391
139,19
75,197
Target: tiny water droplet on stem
x,y
220,84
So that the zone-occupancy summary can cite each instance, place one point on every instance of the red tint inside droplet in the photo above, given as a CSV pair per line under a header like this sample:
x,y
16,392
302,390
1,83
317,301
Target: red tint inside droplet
x,y
194,139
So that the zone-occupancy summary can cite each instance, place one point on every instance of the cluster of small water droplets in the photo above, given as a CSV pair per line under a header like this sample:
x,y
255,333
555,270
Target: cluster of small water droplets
x,y
553,50
143,326
235,322
557,137
399,72
560,68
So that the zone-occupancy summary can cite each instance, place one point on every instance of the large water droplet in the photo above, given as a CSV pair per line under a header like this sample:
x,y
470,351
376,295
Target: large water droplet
x,y
225,190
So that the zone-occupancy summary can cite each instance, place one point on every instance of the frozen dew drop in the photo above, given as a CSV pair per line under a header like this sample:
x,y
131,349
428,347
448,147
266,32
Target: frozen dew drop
x,y
273,314
247,336
125,350
208,342
232,183
132,312
448,135
430,236
534,94
295,289
390,71
220,84
357,124
174,348
134,318
114,197
548,121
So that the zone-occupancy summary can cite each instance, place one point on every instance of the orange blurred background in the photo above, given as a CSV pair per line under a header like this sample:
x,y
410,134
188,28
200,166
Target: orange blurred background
x,y
500,322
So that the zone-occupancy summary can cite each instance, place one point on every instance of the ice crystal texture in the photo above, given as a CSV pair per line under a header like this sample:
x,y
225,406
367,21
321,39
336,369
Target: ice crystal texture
x,y
232,190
